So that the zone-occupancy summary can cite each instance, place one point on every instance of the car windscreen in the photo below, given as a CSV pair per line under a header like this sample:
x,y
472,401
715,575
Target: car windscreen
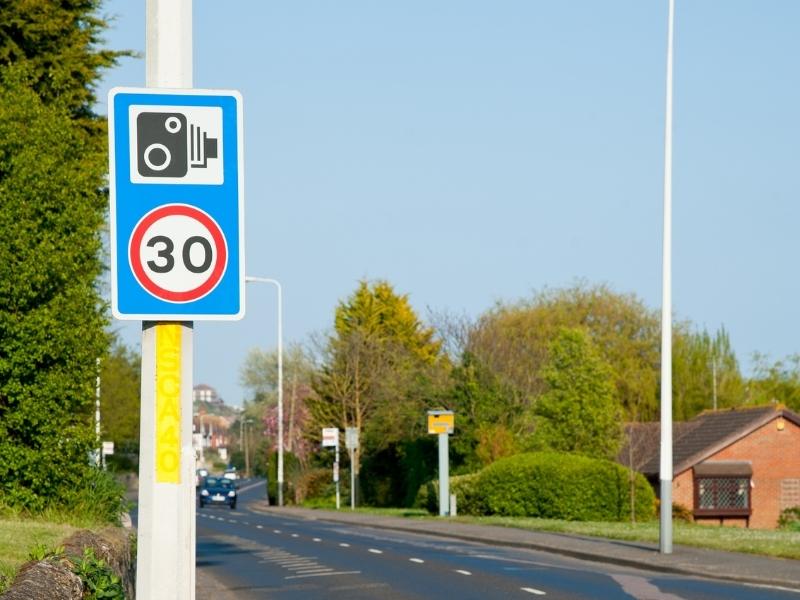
x,y
218,482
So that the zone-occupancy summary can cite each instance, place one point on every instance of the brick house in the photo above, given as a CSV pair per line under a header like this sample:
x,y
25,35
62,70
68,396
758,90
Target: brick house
x,y
737,467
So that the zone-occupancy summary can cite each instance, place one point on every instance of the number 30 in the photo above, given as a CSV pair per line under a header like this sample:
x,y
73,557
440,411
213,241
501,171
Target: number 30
x,y
165,253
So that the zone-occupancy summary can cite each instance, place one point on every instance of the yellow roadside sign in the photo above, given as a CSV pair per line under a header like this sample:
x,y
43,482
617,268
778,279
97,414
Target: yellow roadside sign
x,y
441,421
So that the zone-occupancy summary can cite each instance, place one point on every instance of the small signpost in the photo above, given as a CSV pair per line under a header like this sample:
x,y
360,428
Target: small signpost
x,y
442,423
330,438
351,443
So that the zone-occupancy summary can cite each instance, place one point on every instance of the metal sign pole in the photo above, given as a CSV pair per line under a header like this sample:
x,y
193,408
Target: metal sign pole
x,y
444,476
352,481
336,474
165,566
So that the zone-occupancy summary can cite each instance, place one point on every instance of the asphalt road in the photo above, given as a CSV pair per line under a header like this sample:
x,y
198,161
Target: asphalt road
x,y
244,554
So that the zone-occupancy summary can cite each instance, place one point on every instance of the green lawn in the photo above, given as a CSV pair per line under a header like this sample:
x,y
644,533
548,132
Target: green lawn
x,y
768,542
18,537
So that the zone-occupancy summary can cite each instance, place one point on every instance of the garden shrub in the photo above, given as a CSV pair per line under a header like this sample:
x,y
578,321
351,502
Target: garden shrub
x,y
468,499
314,483
790,519
561,486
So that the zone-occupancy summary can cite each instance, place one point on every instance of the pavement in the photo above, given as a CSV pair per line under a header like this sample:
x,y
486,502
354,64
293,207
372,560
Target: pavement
x,y
684,560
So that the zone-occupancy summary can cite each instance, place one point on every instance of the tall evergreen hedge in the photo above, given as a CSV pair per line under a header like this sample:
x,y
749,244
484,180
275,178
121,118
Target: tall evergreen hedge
x,y
52,317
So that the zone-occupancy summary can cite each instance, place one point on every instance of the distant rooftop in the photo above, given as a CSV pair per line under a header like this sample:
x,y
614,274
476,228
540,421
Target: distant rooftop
x,y
696,439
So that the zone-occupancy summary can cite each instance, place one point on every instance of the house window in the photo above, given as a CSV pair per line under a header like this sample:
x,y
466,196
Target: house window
x,y
722,488
723,493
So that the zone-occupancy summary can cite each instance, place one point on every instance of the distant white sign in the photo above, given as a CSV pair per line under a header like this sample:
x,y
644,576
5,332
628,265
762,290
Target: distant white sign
x,y
108,448
351,438
330,437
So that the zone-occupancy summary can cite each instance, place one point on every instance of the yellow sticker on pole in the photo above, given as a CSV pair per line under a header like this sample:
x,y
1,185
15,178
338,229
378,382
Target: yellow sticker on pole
x,y
168,403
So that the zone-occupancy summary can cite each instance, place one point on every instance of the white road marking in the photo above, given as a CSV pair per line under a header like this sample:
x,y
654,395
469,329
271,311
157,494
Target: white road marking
x,y
772,587
533,591
323,574
641,589
231,520
463,572
295,535
416,560
276,531
344,545
259,527
317,540
314,570
298,562
375,551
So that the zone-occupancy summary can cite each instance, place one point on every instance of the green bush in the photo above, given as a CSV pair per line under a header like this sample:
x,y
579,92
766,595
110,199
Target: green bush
x,y
561,486
315,483
98,578
469,500
790,519
291,470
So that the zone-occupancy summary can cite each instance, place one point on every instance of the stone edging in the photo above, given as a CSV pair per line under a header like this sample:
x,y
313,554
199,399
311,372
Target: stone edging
x,y
53,579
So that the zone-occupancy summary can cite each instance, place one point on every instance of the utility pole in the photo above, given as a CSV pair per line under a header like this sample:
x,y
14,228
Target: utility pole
x,y
165,565
665,470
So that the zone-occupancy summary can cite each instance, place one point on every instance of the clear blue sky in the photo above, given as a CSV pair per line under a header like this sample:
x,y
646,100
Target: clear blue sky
x,y
470,152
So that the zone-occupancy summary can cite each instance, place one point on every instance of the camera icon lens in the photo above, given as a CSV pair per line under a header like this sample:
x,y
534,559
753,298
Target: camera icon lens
x,y
162,144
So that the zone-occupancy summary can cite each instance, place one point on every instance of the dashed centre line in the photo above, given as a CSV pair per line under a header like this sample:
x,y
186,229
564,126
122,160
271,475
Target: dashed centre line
x,y
375,551
463,572
416,560
317,540
533,591
344,545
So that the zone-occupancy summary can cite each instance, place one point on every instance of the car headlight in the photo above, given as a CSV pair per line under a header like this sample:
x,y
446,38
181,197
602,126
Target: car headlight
x,y
204,493
231,494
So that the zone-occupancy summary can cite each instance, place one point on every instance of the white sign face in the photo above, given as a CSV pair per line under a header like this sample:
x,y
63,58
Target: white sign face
x,y
330,436
108,448
176,144
351,438
178,253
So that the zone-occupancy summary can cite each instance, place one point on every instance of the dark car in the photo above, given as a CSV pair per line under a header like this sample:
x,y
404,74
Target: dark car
x,y
217,490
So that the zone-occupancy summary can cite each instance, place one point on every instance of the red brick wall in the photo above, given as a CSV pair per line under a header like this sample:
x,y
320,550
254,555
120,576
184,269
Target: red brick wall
x,y
775,456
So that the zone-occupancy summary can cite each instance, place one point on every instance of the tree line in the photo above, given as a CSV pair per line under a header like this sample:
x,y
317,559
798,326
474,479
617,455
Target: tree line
x,y
563,370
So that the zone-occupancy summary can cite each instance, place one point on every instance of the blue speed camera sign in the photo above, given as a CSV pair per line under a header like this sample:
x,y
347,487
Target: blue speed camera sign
x,y
177,222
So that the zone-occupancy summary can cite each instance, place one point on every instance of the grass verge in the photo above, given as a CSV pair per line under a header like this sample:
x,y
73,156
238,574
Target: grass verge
x,y
766,542
18,537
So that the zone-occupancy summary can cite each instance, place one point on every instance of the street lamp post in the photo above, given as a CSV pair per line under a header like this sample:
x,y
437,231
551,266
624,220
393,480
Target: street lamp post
x,y
277,284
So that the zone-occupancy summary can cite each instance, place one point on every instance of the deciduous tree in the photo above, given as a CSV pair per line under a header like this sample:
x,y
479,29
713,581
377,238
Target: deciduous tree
x,y
579,412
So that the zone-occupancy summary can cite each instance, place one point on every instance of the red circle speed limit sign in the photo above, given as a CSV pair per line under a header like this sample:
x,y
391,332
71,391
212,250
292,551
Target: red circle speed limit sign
x,y
178,253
